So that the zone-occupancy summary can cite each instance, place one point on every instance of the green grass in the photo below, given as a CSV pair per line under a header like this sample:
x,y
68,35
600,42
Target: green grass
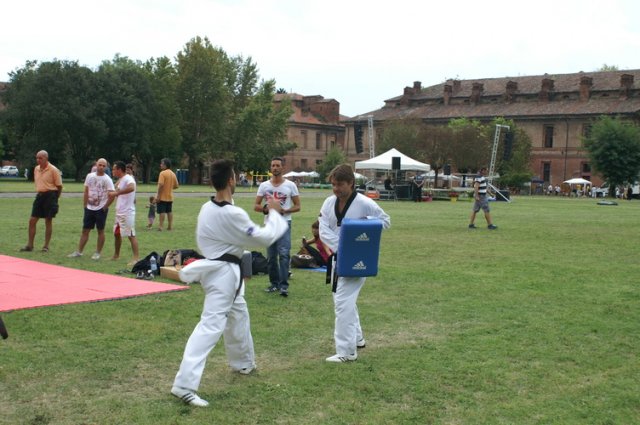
x,y
535,323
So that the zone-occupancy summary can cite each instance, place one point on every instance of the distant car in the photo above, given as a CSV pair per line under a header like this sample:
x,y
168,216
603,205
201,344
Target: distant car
x,y
9,170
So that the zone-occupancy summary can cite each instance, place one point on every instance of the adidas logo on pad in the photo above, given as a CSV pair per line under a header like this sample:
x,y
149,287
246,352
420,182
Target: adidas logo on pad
x,y
359,266
362,238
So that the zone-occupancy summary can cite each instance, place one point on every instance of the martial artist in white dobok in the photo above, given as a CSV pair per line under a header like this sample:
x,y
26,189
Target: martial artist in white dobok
x,y
346,203
222,229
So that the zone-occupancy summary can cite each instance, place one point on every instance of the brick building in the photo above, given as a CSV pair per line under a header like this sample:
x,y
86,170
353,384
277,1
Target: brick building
x,y
315,127
556,111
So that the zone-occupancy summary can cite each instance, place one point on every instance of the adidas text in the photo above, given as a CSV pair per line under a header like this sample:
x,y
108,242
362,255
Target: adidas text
x,y
362,238
359,266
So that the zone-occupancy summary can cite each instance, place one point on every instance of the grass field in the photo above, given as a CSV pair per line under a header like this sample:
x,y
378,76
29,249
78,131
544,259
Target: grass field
x,y
535,323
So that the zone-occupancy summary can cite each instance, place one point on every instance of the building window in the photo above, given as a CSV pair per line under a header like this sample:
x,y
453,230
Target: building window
x,y
546,171
304,163
548,136
318,141
303,134
586,168
318,162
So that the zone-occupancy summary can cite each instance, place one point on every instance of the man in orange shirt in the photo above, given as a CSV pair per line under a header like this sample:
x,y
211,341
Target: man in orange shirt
x,y
167,182
48,181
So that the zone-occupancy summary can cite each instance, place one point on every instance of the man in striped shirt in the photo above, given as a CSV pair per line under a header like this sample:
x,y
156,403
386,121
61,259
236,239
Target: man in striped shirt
x,y
480,196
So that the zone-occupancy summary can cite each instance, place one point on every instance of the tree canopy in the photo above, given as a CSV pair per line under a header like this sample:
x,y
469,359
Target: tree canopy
x,y
204,106
334,157
463,143
614,150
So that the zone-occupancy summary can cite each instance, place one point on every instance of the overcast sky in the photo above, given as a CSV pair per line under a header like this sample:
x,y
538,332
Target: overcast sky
x,y
357,52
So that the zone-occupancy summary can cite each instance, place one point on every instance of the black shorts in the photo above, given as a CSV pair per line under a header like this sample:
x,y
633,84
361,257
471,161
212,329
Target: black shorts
x,y
45,205
94,218
163,207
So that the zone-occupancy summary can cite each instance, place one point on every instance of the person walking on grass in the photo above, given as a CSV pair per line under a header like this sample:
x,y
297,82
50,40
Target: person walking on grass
x,y
346,202
96,201
151,214
167,182
481,202
222,233
48,182
288,197
125,211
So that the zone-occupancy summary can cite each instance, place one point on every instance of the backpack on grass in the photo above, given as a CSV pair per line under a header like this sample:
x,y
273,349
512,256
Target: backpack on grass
x,y
259,263
144,265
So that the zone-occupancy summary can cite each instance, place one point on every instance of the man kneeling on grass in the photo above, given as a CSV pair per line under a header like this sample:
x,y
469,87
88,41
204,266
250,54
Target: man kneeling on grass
x,y
222,232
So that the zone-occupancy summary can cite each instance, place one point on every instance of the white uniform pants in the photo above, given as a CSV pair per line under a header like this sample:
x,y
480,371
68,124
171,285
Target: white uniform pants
x,y
347,331
221,315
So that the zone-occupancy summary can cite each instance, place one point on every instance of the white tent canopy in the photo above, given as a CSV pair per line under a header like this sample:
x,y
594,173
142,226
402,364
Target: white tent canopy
x,y
312,174
431,175
384,162
359,176
577,180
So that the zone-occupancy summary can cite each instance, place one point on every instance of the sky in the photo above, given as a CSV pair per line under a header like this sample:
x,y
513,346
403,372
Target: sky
x,y
359,53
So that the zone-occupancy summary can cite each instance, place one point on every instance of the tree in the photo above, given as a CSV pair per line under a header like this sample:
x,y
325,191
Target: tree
x,y
606,67
206,106
225,112
470,149
2,141
614,151
334,157
130,104
256,129
203,97
402,134
54,106
259,129
164,135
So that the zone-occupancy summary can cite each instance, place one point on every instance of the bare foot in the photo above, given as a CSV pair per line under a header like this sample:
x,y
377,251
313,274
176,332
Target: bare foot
x,y
114,258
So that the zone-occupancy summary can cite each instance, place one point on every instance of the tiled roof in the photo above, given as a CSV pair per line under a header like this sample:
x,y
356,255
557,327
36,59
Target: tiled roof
x,y
302,115
562,83
516,109
304,118
429,103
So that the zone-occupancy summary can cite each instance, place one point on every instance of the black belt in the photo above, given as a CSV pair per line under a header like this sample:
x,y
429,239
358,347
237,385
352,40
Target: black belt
x,y
332,273
228,258
231,259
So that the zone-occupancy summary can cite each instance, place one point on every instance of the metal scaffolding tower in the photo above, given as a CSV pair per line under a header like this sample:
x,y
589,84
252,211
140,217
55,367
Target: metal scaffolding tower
x,y
372,148
492,165
494,151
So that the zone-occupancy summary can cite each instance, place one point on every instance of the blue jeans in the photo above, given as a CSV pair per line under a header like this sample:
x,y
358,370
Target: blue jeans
x,y
278,260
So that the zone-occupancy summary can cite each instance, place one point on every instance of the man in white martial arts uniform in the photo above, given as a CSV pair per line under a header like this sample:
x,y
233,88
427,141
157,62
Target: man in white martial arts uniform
x,y
346,203
222,232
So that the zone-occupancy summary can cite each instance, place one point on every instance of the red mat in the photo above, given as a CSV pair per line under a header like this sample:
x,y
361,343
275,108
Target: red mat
x,y
29,284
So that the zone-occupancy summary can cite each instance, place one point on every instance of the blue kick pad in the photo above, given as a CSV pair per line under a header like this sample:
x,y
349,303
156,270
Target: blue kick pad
x,y
359,247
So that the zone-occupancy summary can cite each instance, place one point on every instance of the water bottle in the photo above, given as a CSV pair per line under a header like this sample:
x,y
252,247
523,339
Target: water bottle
x,y
154,265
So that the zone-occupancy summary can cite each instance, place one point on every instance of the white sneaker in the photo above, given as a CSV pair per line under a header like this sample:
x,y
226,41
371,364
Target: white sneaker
x,y
95,256
339,358
75,254
246,370
189,397
361,343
